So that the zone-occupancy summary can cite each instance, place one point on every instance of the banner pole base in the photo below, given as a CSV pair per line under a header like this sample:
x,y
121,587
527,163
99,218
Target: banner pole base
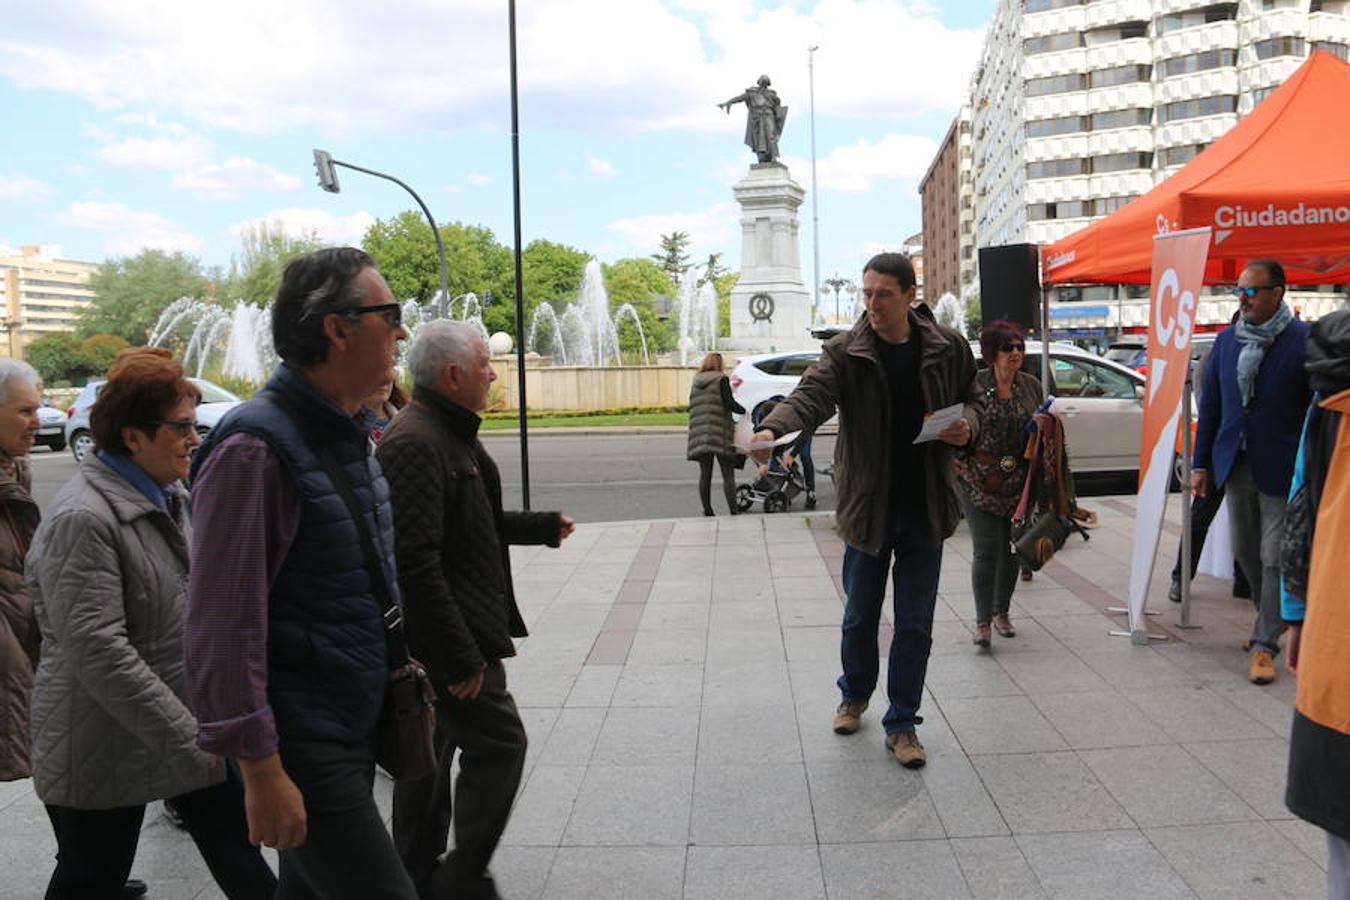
x,y
1189,626
1120,610
1139,638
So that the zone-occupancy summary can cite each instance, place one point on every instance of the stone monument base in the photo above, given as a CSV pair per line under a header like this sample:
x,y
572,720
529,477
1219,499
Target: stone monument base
x,y
770,306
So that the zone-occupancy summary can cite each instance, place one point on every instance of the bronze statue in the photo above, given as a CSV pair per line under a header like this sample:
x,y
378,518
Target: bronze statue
x,y
764,119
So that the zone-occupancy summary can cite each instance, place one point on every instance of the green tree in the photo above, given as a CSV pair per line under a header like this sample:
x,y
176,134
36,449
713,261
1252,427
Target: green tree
x,y
674,255
712,269
635,280
550,272
974,317
255,272
724,285
404,249
58,357
100,350
131,292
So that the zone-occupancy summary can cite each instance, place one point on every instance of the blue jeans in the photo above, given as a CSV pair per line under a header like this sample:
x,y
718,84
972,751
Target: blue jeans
x,y
917,561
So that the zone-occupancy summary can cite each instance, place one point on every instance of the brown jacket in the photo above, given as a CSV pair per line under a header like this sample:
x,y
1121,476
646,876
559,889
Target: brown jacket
x,y
18,627
849,375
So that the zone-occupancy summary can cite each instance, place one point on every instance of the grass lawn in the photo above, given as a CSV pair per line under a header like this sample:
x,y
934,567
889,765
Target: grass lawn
x,y
555,421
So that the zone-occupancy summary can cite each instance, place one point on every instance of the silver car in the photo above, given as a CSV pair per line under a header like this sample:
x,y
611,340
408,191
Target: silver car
x,y
51,428
216,401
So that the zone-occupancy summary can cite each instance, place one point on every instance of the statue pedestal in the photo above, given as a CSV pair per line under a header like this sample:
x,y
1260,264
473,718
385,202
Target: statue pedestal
x,y
770,306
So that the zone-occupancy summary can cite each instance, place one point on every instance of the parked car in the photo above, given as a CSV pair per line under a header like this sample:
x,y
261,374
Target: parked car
x,y
51,427
216,401
1101,402
1132,354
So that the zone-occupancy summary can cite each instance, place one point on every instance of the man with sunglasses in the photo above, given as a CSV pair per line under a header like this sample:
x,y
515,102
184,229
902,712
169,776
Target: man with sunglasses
x,y
285,640
1251,415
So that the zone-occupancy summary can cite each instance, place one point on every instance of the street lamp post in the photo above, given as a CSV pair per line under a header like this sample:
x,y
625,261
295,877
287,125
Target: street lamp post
x,y
837,284
328,180
815,194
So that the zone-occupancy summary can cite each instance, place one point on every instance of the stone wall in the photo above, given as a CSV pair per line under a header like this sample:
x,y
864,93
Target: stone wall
x,y
575,387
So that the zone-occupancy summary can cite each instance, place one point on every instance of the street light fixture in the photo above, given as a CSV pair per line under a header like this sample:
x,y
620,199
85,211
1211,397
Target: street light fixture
x,y
325,166
837,284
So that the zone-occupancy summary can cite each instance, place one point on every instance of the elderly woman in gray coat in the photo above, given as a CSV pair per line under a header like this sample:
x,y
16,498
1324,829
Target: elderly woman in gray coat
x,y
19,402
107,571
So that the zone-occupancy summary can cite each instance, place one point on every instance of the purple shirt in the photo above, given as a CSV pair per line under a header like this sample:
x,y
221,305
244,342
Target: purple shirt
x,y
245,514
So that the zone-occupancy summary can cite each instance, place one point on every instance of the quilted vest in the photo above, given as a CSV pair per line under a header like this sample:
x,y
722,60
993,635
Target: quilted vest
x,y
710,427
325,638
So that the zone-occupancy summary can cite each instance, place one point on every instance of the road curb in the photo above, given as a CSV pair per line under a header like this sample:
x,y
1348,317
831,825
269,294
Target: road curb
x,y
592,431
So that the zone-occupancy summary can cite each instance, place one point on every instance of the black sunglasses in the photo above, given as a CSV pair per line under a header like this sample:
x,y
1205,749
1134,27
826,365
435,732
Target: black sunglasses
x,y
1251,290
1013,348
393,312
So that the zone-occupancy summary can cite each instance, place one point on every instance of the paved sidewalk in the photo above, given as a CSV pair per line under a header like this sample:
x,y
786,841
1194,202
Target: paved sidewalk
x,y
678,690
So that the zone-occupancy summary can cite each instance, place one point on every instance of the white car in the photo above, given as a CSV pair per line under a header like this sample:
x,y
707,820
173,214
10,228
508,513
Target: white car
x,y
216,401
1100,402
51,428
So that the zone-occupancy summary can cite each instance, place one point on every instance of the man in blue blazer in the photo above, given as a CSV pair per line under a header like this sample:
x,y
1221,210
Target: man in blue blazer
x,y
1251,414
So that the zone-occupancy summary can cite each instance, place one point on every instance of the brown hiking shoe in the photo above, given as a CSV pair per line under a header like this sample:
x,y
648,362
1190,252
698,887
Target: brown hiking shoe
x,y
907,749
1003,626
848,717
1263,667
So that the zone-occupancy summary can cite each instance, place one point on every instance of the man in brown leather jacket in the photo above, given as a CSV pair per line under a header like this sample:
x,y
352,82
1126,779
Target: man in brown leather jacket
x,y
452,543
895,499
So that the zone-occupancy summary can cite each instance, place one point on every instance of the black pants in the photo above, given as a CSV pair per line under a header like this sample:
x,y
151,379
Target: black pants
x,y
491,741
705,464
1203,511
96,847
347,853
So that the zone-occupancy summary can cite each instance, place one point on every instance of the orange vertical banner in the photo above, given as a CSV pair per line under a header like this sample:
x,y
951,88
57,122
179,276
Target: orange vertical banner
x,y
1178,274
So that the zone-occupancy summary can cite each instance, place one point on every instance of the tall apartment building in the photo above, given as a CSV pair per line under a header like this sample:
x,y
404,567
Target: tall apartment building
x,y
913,247
949,213
41,294
1079,106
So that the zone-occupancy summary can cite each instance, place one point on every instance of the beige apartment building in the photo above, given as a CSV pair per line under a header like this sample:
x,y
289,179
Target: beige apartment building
x,y
40,294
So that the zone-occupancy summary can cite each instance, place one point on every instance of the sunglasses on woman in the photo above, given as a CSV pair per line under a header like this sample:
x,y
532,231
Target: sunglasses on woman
x,y
1013,348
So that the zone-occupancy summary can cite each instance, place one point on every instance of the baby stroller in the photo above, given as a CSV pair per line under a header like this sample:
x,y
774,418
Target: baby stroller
x,y
776,486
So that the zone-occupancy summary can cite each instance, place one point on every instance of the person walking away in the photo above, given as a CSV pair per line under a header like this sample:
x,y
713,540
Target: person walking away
x,y
1251,415
895,500
106,571
454,566
286,639
992,469
1318,786
710,431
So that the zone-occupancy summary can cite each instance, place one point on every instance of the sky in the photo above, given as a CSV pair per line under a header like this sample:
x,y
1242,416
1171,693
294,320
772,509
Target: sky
x,y
152,123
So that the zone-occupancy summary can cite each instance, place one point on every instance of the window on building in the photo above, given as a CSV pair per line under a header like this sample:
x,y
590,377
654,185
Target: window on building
x,y
1120,75
1033,6
1279,46
1056,84
1200,62
1219,12
1120,118
1058,168
1065,40
1203,106
1104,205
1262,93
1334,48
1176,156
1120,162
1063,209
1051,127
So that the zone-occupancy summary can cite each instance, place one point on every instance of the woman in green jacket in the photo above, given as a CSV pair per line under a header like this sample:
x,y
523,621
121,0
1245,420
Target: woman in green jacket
x,y
710,430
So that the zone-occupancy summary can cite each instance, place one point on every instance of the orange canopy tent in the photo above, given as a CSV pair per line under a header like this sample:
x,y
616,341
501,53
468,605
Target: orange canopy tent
x,y
1277,184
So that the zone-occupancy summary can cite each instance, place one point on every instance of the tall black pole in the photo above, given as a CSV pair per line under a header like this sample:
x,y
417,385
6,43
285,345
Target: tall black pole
x,y
520,285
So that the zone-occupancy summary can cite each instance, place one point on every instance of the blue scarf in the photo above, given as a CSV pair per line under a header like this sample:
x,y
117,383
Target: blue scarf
x,y
156,493
1255,340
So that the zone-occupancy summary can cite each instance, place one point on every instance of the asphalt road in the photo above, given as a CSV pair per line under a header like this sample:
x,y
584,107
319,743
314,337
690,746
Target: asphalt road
x,y
593,478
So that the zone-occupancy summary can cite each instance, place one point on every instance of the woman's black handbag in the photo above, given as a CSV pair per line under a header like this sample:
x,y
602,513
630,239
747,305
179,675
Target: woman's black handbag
x,y
1039,538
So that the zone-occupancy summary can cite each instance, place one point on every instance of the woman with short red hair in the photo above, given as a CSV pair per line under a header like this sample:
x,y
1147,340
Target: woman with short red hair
x,y
107,572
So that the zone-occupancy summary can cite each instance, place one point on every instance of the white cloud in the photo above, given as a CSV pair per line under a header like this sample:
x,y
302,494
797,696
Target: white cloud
x,y
163,153
128,230
478,179
601,168
854,168
21,187
238,174
711,227
331,229
613,65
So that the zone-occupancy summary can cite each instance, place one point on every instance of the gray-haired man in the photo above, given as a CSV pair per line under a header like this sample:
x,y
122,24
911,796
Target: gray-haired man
x,y
454,569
